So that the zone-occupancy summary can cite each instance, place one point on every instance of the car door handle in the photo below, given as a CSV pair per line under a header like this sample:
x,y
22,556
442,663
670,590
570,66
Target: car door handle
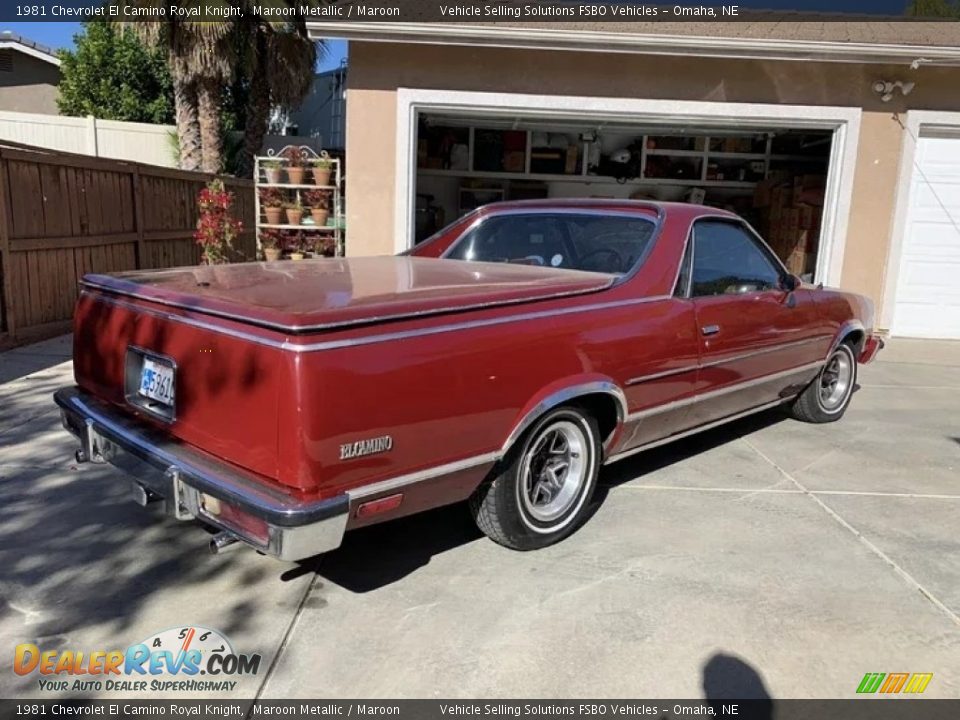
x,y
710,329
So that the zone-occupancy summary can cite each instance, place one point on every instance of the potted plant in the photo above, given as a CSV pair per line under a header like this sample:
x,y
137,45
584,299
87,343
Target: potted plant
x,y
270,242
294,242
296,168
319,203
321,171
271,200
294,212
272,170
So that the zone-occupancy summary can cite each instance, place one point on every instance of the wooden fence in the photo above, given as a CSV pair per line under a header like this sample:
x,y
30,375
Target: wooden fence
x,y
65,215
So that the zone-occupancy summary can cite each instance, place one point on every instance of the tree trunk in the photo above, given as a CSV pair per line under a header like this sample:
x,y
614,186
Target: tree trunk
x,y
211,140
188,125
258,109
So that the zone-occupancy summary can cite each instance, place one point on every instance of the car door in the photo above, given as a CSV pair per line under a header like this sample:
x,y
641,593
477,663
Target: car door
x,y
760,335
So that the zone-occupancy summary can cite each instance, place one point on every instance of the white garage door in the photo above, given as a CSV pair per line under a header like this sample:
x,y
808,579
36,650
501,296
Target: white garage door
x,y
928,284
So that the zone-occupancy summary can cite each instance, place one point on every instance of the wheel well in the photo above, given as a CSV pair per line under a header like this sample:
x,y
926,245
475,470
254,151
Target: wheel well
x,y
605,410
855,337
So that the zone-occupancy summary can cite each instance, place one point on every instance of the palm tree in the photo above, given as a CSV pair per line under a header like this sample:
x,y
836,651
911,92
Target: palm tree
x,y
278,60
200,61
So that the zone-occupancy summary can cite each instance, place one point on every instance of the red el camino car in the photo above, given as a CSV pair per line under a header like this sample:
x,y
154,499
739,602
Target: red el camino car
x,y
503,361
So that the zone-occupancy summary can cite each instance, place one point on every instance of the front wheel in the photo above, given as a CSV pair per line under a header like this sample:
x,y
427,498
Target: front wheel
x,y
542,489
827,398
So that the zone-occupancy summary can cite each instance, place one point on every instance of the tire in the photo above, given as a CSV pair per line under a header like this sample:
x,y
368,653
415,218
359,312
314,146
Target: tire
x,y
542,488
827,398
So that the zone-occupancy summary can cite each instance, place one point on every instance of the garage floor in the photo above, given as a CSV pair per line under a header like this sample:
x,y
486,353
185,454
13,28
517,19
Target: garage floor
x,y
765,558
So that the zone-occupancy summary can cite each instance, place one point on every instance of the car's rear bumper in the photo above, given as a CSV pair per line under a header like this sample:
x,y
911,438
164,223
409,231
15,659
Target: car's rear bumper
x,y
193,484
871,346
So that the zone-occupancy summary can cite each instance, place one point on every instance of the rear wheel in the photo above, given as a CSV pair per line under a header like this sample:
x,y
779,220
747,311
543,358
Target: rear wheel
x,y
543,486
827,398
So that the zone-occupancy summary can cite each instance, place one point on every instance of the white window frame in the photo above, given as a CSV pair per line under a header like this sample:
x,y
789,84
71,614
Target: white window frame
x,y
843,121
918,123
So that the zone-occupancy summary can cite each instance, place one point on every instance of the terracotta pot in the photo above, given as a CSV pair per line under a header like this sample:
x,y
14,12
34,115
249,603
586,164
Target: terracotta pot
x,y
295,255
274,215
296,175
272,254
273,175
320,216
321,176
294,216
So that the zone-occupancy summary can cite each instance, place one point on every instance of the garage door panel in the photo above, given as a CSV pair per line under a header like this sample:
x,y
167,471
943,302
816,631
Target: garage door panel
x,y
926,238
936,199
928,284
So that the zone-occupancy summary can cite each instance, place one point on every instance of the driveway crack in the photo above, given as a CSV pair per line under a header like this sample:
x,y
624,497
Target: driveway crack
x,y
906,576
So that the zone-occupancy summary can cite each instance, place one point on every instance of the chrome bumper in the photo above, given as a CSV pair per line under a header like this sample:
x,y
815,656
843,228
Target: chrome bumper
x,y
192,484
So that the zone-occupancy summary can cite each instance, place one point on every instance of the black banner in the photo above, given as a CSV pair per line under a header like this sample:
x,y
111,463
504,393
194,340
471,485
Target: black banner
x,y
876,708
577,11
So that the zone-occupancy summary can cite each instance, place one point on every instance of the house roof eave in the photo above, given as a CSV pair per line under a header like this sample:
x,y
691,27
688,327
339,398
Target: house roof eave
x,y
538,38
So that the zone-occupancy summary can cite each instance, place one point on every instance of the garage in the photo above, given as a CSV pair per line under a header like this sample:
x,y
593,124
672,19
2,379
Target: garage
x,y
786,169
773,177
927,299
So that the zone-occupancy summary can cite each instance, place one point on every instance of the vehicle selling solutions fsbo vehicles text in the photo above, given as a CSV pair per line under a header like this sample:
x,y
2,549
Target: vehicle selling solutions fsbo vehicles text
x,y
587,10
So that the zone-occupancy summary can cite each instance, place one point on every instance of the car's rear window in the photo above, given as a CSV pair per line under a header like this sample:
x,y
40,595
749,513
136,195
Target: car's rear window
x,y
593,242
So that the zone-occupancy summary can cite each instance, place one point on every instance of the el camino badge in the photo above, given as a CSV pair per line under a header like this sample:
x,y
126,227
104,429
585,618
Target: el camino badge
x,y
348,451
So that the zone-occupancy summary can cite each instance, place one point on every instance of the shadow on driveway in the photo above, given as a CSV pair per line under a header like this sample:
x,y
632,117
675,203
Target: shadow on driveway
x,y
376,556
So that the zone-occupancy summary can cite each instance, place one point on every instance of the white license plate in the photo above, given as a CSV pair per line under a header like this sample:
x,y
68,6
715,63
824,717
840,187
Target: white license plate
x,y
156,381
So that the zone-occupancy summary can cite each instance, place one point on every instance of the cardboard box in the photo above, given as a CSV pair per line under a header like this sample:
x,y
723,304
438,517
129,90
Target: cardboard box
x,y
514,161
573,154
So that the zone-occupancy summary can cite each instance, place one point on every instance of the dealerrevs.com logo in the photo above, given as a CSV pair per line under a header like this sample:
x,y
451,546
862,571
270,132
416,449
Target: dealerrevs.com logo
x,y
187,658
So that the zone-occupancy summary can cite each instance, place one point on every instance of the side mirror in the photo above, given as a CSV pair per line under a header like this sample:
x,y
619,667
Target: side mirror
x,y
791,283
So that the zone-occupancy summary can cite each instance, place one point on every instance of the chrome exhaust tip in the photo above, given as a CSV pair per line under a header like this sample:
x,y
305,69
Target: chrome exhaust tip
x,y
222,542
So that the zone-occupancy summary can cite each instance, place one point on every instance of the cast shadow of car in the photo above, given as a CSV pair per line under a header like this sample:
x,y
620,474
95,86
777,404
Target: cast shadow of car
x,y
376,556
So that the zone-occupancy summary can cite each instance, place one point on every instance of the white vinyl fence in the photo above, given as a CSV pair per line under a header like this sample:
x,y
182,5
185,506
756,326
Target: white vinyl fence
x,y
139,142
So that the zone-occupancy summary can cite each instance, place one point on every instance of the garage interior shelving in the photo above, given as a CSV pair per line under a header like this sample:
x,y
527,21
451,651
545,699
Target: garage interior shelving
x,y
773,178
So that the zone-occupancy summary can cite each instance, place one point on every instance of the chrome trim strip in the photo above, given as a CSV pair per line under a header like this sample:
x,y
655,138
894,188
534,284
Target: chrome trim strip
x,y
736,358
765,351
562,396
183,319
383,337
656,376
420,476
677,404
347,324
405,334
693,431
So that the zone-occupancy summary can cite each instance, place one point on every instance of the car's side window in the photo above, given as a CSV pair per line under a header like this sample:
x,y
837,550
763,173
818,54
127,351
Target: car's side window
x,y
727,260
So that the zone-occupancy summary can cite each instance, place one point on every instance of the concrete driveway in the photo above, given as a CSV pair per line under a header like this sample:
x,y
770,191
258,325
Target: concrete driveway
x,y
766,558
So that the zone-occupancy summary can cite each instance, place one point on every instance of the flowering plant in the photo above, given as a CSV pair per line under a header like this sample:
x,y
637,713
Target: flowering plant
x,y
317,198
270,238
271,197
216,228
294,157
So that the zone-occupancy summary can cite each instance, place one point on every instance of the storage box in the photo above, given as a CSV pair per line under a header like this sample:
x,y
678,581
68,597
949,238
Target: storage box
x,y
514,161
549,161
570,165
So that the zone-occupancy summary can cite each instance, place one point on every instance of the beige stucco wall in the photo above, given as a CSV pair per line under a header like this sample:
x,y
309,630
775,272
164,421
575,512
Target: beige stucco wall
x,y
377,69
30,87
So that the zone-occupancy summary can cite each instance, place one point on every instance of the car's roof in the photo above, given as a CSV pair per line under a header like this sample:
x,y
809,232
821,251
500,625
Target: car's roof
x,y
655,207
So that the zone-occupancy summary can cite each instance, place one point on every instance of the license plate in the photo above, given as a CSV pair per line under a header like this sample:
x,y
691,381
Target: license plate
x,y
156,381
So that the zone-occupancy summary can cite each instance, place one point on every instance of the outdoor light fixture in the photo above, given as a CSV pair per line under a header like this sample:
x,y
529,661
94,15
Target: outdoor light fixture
x,y
885,88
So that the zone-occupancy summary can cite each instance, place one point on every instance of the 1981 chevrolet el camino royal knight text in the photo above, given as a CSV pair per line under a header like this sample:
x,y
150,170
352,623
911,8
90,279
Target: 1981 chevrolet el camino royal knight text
x,y
503,361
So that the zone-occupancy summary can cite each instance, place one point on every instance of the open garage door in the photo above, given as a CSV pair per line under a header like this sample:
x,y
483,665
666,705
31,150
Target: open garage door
x,y
927,301
774,177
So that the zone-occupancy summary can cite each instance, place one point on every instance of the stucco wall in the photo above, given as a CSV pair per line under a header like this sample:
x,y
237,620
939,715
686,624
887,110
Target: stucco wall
x,y
377,69
31,86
